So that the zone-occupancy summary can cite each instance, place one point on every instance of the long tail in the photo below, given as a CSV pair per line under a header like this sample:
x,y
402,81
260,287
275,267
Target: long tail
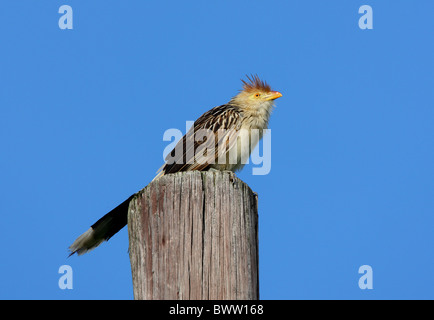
x,y
102,230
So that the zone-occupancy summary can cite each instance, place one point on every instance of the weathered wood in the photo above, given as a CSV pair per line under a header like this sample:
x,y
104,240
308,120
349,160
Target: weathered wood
x,y
194,235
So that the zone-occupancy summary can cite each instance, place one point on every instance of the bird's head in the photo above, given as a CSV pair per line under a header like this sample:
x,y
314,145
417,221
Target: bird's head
x,y
255,95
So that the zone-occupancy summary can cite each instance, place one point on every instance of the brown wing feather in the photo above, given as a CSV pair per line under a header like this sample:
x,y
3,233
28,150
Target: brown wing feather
x,y
227,119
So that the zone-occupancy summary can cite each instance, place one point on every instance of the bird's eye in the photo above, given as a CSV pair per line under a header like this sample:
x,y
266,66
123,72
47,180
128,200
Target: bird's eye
x,y
257,95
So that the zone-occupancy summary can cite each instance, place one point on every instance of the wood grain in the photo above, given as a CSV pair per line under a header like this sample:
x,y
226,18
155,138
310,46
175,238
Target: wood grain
x,y
194,235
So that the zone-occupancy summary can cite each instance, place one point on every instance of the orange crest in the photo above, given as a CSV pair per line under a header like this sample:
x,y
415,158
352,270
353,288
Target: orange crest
x,y
255,84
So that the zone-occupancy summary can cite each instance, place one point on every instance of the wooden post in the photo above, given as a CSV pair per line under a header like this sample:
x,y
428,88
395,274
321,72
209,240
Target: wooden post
x,y
194,235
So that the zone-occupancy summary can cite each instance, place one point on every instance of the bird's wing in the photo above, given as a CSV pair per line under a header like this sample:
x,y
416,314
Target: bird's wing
x,y
211,136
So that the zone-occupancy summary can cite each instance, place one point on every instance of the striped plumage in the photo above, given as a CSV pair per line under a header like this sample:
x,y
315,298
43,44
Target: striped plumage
x,y
221,130
224,118
236,119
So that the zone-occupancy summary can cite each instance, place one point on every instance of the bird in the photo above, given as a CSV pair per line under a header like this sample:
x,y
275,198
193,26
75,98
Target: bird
x,y
226,140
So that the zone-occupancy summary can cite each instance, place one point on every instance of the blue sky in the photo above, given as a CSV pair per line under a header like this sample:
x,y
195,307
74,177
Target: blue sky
x,y
83,112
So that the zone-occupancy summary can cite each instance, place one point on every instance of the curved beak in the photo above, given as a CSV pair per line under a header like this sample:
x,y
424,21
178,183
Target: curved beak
x,y
274,95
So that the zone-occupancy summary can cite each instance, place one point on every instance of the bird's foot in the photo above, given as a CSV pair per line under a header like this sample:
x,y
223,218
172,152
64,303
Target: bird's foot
x,y
232,175
213,170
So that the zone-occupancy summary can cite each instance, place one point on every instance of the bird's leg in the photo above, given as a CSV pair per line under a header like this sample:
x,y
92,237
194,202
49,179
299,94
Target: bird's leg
x,y
214,170
232,175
